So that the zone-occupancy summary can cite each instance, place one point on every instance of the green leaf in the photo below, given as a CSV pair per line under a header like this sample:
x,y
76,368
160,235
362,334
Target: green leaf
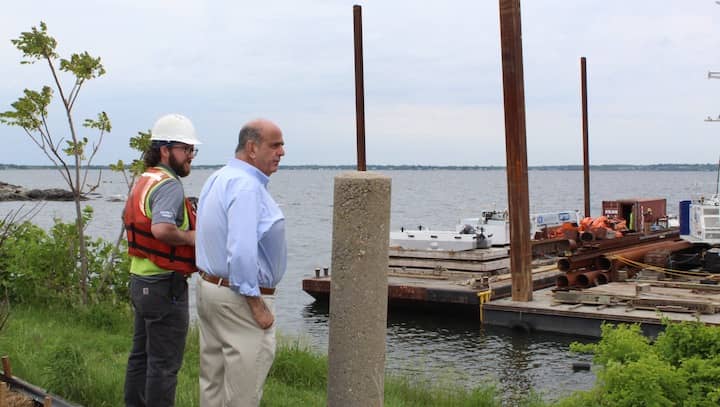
x,y
102,123
36,44
118,167
141,142
137,167
83,66
76,148
29,110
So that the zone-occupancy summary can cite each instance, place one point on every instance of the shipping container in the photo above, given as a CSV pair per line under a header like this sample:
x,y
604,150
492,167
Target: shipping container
x,y
640,215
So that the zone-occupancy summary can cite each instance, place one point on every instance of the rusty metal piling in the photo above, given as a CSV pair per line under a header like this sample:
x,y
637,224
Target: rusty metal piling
x,y
586,148
359,89
516,150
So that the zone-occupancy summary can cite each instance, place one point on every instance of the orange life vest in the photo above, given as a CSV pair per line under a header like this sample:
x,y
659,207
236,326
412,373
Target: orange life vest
x,y
141,242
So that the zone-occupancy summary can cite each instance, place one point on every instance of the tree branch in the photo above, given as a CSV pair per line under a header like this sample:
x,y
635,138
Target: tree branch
x,y
48,58
95,148
75,91
54,149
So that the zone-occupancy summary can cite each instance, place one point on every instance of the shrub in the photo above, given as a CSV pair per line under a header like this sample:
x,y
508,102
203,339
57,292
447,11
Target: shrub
x,y
621,343
681,368
647,381
39,267
703,381
685,340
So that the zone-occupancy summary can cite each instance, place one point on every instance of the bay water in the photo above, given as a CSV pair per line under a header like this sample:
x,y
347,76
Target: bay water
x,y
439,348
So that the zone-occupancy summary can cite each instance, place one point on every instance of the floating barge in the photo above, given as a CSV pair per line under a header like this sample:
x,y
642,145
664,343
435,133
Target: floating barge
x,y
606,272
436,292
583,312
580,312
444,279
478,281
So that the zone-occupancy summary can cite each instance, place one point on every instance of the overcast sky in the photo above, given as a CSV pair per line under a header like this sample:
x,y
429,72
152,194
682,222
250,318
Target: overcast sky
x,y
433,85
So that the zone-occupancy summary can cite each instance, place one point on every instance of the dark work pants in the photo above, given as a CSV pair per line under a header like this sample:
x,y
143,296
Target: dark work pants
x,y
161,326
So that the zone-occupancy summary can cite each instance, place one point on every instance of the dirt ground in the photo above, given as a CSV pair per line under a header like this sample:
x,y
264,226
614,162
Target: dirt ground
x,y
13,399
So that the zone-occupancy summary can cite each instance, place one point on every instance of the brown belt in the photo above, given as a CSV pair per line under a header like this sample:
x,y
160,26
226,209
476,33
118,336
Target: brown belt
x,y
223,282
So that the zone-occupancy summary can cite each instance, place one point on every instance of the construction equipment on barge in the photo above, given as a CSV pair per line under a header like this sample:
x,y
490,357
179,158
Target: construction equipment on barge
x,y
631,264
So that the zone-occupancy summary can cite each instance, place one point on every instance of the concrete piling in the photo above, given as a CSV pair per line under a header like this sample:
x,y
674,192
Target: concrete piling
x,y
358,293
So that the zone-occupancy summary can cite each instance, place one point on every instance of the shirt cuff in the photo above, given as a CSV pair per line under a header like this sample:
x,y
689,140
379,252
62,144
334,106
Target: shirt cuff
x,y
247,290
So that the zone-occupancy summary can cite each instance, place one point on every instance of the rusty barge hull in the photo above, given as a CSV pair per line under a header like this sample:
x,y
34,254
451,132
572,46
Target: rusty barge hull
x,y
434,292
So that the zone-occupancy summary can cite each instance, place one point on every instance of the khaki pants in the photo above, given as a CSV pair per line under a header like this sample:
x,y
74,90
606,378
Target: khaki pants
x,y
235,353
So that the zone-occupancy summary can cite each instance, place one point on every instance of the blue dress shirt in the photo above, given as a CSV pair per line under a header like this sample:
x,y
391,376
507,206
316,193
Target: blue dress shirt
x,y
240,233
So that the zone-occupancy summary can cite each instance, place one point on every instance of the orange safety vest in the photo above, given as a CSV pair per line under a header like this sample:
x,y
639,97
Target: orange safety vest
x,y
141,242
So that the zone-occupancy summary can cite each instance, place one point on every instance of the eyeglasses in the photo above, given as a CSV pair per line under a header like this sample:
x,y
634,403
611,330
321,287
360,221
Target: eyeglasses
x,y
189,150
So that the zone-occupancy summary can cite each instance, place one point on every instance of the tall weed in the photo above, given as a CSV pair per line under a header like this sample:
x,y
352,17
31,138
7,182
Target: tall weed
x,y
65,371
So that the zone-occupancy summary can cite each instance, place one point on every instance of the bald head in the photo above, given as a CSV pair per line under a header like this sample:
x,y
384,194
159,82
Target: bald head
x,y
260,144
253,131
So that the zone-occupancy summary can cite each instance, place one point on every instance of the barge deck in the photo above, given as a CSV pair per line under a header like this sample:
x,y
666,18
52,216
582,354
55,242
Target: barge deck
x,y
545,313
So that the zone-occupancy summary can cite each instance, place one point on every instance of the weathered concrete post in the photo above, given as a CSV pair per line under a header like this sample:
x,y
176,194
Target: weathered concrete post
x,y
358,293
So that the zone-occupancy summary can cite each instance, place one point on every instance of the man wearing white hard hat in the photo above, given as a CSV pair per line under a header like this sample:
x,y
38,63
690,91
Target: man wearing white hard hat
x,y
160,223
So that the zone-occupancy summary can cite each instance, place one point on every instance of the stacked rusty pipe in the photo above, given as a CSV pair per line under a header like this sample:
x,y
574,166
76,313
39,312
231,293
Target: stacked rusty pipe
x,y
583,278
597,266
609,260
576,262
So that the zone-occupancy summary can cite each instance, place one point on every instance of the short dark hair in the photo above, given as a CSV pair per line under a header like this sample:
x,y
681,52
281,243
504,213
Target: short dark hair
x,y
247,133
151,156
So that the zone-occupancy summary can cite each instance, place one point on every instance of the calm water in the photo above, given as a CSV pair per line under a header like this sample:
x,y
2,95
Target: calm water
x,y
450,348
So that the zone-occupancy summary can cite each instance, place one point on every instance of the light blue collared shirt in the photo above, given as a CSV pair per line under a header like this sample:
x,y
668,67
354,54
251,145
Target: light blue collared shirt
x,y
240,229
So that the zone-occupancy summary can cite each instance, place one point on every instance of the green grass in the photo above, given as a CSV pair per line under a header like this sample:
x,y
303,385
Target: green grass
x,y
81,356
66,352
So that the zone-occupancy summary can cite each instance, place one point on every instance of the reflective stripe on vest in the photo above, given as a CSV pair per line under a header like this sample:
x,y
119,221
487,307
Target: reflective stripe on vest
x,y
138,222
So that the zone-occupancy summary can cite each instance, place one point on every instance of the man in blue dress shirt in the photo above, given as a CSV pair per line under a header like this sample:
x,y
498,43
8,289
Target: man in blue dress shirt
x,y
241,252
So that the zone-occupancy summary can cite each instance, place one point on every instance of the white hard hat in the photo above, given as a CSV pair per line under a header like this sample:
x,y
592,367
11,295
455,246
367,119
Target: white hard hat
x,y
174,127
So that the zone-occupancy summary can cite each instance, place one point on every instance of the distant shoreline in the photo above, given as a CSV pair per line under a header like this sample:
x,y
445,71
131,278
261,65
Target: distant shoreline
x,y
605,167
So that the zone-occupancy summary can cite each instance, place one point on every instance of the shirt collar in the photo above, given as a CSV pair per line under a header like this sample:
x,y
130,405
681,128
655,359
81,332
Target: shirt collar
x,y
168,170
250,170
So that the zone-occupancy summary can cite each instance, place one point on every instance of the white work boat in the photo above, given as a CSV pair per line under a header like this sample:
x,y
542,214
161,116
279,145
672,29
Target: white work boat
x,y
492,228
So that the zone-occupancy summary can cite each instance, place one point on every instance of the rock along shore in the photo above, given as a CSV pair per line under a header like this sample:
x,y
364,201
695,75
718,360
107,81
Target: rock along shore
x,y
10,192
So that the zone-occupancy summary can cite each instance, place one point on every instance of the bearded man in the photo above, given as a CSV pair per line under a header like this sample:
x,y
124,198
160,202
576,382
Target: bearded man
x,y
160,223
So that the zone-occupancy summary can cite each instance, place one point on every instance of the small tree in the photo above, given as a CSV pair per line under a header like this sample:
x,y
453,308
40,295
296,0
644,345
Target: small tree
x,y
30,112
140,143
